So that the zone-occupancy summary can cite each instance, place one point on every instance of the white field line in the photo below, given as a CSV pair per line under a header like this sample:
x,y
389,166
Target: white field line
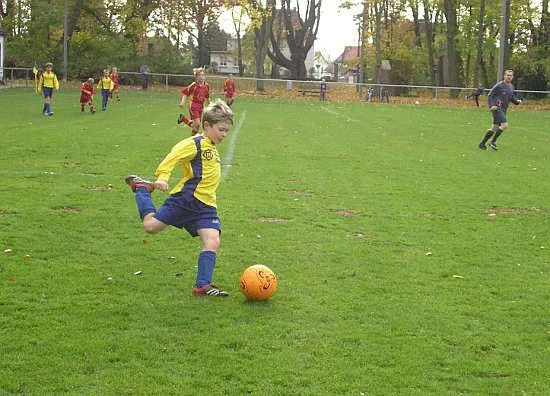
x,y
339,115
231,150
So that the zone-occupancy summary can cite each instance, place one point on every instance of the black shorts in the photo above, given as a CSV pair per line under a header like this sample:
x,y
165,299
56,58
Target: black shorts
x,y
499,117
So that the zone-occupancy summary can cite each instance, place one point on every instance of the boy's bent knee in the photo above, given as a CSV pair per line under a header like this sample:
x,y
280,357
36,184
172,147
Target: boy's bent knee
x,y
151,226
211,242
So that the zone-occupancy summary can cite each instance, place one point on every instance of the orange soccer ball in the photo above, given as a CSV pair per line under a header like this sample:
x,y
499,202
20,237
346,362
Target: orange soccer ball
x,y
258,283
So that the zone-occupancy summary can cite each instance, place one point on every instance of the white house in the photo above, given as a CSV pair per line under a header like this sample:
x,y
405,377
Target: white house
x,y
323,67
227,61
3,36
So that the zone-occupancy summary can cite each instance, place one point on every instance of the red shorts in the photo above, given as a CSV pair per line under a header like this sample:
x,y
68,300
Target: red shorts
x,y
85,98
195,110
229,94
115,84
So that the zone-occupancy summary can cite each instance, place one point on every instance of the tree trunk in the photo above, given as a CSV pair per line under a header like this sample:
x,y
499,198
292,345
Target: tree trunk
x,y
261,25
544,29
238,24
480,40
377,39
453,57
300,35
417,36
363,42
429,41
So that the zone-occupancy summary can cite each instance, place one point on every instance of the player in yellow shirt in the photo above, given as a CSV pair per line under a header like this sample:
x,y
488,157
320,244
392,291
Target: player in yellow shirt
x,y
48,81
192,202
106,85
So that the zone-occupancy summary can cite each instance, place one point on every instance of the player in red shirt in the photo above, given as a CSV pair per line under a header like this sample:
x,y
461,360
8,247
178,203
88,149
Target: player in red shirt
x,y
199,91
229,89
116,78
87,93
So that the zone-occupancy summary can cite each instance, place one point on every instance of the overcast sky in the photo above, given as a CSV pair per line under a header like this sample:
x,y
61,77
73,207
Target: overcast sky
x,y
336,29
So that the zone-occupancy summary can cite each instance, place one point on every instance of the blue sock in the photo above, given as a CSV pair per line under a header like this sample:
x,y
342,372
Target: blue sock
x,y
44,108
144,202
47,108
205,271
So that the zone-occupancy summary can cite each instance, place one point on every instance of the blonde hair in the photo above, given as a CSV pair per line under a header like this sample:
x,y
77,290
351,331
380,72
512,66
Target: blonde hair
x,y
90,80
217,112
197,70
114,69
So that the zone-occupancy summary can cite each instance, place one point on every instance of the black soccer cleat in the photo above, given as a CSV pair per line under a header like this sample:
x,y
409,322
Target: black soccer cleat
x,y
209,291
494,146
482,146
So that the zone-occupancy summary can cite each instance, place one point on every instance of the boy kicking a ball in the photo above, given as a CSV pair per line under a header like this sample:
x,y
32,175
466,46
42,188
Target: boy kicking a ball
x,y
192,202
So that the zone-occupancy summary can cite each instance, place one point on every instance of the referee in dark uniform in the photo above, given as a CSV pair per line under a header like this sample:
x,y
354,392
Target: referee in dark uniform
x,y
498,99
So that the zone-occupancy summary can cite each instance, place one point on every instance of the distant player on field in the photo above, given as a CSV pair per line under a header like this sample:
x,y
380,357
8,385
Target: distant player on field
x,y
116,78
476,94
229,89
498,99
192,202
323,90
48,82
199,91
370,94
106,85
87,92
384,95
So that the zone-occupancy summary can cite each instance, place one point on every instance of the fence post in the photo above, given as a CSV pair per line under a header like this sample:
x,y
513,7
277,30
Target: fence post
x,y
166,82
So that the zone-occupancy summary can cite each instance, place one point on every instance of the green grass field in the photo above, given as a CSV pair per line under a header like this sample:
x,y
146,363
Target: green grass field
x,y
409,262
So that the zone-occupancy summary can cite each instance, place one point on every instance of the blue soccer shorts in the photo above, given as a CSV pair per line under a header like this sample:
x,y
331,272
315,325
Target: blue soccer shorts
x,y
188,212
48,92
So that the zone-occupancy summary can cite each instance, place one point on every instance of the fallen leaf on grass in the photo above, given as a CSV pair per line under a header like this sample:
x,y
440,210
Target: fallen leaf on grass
x,y
458,276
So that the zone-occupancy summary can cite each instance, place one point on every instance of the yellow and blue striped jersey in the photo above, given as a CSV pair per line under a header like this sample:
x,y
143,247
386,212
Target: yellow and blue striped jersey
x,y
200,161
106,83
48,80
